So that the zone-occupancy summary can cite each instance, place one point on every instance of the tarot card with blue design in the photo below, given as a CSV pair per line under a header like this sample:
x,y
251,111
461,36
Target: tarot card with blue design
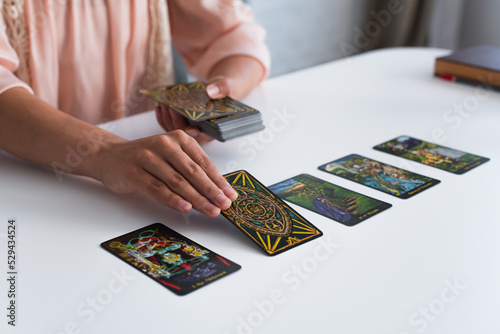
x,y
329,200
176,262
264,218
383,177
430,154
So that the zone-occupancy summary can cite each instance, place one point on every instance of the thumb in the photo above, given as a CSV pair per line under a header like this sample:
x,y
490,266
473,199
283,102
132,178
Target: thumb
x,y
219,89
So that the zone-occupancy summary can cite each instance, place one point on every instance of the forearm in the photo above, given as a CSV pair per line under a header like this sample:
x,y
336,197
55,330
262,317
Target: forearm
x,y
35,131
170,168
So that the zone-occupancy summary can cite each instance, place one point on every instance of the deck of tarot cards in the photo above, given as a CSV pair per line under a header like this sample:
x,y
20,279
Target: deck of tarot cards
x,y
221,119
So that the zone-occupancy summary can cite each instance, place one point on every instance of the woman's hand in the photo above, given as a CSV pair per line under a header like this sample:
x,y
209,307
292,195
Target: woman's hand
x,y
170,168
171,120
233,76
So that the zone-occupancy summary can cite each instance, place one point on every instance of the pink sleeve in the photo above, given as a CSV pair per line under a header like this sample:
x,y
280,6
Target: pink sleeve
x,y
8,64
205,32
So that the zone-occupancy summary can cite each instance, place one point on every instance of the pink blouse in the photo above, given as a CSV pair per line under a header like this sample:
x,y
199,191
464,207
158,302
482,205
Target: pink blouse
x,y
89,58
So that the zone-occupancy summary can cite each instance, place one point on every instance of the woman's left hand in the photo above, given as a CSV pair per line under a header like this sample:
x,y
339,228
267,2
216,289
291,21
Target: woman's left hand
x,y
233,76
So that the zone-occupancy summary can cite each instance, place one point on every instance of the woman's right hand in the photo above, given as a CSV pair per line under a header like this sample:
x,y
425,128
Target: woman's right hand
x,y
170,168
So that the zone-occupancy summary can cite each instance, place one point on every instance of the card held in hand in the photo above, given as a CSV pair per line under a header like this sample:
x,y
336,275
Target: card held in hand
x,y
191,101
222,119
171,259
263,217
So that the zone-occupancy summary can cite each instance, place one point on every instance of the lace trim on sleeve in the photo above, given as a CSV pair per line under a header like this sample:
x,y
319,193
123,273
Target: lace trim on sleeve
x,y
160,64
14,23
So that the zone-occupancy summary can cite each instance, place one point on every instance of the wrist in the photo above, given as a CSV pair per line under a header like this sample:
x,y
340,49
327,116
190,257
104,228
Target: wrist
x,y
100,147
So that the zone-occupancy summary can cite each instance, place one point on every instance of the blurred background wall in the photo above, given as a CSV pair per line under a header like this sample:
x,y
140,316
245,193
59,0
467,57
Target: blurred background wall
x,y
481,23
305,33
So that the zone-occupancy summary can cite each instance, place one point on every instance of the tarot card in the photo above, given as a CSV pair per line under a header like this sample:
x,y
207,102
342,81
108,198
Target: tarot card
x,y
192,102
231,126
337,203
434,155
171,259
374,174
263,217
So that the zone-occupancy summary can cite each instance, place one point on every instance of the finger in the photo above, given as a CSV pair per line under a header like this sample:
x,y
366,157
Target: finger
x,y
207,192
173,189
159,117
220,88
208,170
172,182
178,121
169,119
196,167
198,135
163,116
157,190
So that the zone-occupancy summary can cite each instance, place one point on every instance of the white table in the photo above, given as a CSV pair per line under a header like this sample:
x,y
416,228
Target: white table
x,y
428,264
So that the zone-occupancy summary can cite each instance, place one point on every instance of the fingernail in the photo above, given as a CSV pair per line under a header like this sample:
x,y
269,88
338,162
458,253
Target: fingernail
x,y
223,200
213,90
231,193
184,205
211,208
193,132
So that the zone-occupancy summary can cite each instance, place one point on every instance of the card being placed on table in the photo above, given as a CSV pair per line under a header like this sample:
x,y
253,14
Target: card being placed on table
x,y
337,203
374,174
263,217
176,262
434,155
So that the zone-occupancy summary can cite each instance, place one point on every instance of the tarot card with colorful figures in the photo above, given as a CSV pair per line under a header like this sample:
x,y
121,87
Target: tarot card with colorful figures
x,y
192,102
176,262
374,174
337,203
434,155
264,218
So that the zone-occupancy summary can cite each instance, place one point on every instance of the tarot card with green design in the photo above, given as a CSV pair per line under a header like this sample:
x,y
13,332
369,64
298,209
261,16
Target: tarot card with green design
x,y
191,101
378,175
342,205
434,155
263,217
